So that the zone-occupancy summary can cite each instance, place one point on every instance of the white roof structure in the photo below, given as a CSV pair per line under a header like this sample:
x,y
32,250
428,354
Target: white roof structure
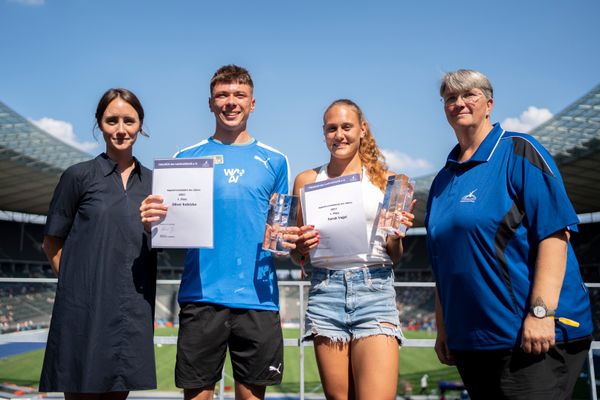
x,y
31,161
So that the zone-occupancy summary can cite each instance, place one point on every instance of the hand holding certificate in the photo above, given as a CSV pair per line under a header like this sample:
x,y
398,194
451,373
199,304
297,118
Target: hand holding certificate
x,y
186,185
335,208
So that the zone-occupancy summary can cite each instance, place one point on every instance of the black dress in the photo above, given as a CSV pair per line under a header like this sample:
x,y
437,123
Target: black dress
x,y
101,332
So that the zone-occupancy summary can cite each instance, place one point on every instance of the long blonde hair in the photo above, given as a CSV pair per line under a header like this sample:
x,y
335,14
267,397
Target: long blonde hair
x,y
371,157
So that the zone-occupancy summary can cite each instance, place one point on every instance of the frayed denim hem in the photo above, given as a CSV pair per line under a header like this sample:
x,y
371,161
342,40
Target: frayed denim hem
x,y
384,329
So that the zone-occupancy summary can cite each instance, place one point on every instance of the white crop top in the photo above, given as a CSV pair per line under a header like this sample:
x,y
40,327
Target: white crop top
x,y
372,198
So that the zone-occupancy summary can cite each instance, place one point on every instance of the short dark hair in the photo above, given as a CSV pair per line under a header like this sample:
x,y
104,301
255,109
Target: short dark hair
x,y
231,74
126,95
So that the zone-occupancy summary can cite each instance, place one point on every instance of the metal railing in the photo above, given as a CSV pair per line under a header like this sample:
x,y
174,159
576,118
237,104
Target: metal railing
x,y
40,337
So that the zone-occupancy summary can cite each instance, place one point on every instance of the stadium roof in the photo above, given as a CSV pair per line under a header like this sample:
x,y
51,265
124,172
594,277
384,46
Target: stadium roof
x,y
31,161
573,138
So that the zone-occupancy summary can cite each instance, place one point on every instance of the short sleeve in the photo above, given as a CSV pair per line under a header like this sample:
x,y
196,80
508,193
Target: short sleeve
x,y
429,201
64,204
540,190
282,182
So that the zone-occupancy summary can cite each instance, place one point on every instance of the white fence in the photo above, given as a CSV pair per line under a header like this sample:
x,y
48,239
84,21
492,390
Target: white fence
x,y
40,336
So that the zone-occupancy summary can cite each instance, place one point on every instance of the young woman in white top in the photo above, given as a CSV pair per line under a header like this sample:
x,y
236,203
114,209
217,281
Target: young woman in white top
x,y
352,315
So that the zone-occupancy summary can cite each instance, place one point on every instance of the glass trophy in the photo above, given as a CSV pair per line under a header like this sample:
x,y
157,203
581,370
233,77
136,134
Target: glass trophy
x,y
283,209
398,197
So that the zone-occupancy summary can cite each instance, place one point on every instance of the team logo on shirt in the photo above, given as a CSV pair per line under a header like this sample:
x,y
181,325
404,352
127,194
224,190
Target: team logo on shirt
x,y
469,198
263,162
217,158
234,174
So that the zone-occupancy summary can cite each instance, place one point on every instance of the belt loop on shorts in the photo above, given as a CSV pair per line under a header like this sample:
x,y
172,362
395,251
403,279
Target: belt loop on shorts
x,y
366,273
326,275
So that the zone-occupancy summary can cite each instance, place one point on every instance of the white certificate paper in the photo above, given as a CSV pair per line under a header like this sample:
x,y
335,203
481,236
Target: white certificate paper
x,y
335,208
186,184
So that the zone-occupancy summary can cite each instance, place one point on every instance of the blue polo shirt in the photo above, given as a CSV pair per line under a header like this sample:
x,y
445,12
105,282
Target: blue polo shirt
x,y
236,273
484,220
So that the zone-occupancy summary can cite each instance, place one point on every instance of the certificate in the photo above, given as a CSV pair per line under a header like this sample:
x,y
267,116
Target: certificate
x,y
335,208
186,185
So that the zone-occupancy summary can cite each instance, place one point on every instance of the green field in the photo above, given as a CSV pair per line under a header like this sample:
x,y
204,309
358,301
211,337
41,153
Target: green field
x,y
24,369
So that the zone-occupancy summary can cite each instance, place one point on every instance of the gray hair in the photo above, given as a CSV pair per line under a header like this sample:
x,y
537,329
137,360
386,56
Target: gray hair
x,y
466,79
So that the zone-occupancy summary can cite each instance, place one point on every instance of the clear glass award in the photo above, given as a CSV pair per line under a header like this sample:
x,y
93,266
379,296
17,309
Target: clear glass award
x,y
398,197
283,210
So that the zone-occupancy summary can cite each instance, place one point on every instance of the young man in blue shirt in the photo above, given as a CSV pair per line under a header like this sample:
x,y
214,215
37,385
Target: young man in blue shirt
x,y
228,295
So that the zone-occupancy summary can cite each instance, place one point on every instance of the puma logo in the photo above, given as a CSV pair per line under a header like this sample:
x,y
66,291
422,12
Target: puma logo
x,y
264,162
273,369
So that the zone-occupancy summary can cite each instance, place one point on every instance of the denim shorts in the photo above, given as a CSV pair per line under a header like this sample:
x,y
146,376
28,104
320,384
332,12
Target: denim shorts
x,y
350,304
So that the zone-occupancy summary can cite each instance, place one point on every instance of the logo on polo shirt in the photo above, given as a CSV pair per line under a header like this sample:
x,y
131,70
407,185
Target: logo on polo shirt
x,y
469,198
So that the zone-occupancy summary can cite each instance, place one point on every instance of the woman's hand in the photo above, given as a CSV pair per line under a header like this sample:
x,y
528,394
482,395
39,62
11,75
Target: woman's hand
x,y
538,334
406,218
307,239
393,243
441,349
550,269
53,246
152,210
441,344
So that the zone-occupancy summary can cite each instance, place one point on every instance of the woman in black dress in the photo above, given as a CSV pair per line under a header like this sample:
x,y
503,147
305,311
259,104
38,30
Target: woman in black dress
x,y
100,339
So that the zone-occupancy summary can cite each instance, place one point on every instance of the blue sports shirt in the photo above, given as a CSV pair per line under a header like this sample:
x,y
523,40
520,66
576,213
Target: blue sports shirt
x,y
484,220
236,273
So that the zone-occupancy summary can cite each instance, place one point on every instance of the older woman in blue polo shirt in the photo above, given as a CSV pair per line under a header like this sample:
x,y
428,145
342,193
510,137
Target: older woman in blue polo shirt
x,y
512,311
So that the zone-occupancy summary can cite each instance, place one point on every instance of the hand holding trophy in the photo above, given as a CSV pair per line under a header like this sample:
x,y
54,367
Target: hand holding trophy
x,y
283,209
398,198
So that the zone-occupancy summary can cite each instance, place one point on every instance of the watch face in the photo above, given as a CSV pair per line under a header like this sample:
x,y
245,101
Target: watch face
x,y
539,311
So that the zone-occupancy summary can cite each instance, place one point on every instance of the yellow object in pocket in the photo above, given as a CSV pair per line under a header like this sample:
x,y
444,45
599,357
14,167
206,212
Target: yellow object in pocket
x,y
568,321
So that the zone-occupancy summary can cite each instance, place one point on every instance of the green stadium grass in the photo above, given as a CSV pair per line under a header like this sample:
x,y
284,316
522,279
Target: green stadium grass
x,y
24,369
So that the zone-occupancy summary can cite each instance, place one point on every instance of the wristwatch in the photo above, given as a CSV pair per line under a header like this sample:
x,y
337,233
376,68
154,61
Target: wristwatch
x,y
542,312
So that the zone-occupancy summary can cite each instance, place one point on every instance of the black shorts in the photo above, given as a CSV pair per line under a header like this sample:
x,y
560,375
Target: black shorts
x,y
206,330
514,374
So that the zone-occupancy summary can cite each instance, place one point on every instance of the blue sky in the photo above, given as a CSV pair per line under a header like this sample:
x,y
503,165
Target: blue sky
x,y
59,56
